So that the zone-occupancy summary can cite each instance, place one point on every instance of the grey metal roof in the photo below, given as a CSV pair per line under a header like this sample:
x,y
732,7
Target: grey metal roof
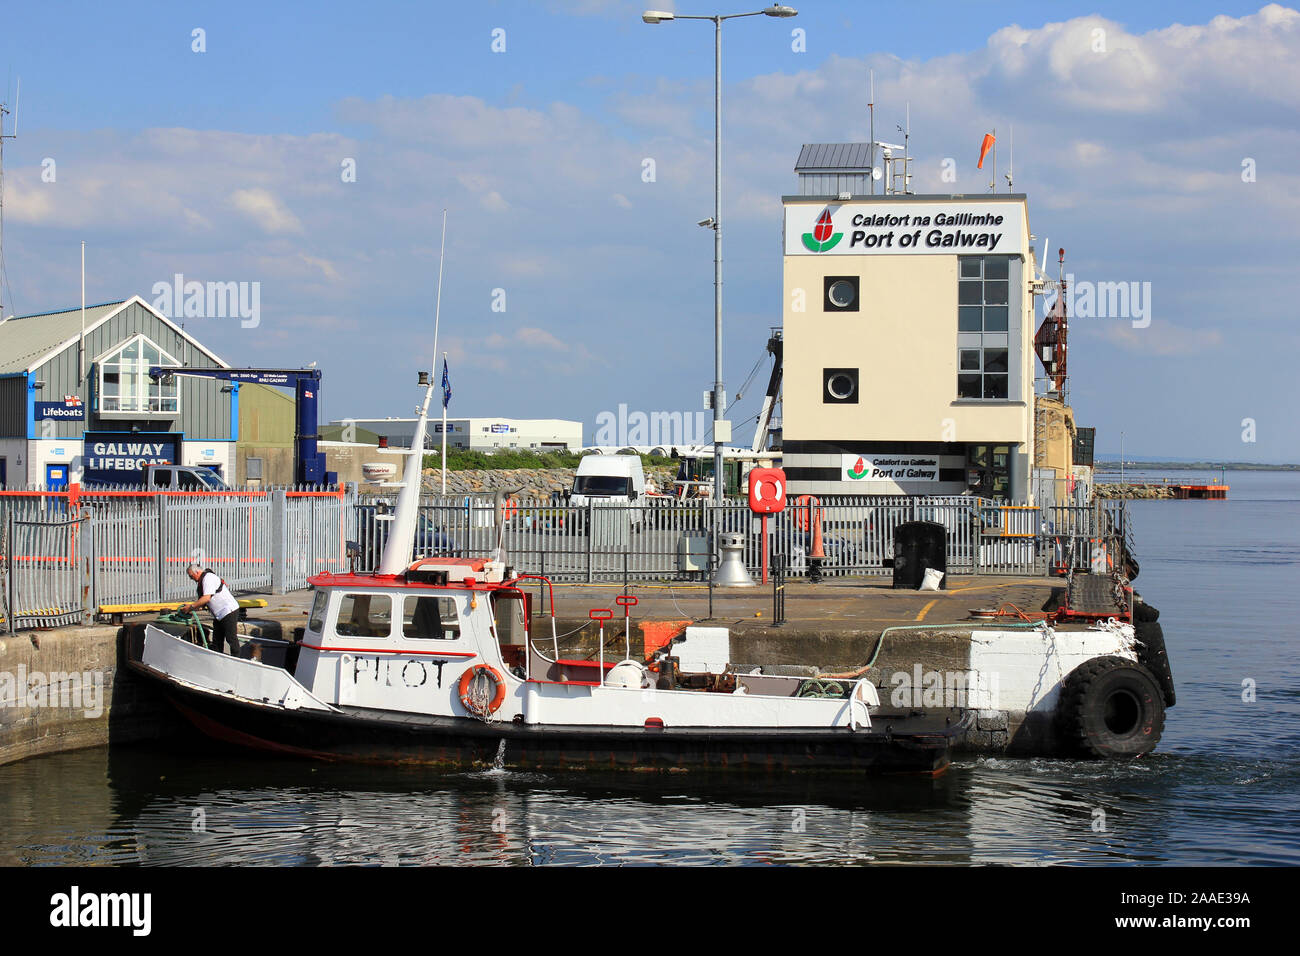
x,y
27,339
828,157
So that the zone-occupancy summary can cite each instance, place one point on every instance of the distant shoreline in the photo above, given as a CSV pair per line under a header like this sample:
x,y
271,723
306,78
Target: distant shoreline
x,y
1109,466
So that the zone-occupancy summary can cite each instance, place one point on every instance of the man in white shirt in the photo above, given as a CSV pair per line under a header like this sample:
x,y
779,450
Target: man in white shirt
x,y
213,593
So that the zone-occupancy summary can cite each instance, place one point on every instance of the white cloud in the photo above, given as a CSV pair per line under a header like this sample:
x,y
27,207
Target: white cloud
x,y
266,210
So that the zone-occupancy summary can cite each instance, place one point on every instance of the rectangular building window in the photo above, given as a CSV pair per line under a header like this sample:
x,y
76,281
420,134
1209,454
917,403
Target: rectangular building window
x,y
983,317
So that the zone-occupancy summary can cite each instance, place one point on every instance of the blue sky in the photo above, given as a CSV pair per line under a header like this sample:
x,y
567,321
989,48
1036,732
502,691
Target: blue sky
x,y
225,165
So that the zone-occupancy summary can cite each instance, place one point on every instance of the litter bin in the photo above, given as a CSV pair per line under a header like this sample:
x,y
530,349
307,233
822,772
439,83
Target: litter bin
x,y
919,545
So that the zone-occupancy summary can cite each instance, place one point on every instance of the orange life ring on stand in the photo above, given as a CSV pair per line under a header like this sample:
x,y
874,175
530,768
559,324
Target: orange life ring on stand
x,y
468,702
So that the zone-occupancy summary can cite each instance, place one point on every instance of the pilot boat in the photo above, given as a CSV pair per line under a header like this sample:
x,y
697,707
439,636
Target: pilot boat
x,y
436,662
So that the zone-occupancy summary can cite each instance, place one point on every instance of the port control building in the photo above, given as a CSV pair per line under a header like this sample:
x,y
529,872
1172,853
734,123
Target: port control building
x,y
908,327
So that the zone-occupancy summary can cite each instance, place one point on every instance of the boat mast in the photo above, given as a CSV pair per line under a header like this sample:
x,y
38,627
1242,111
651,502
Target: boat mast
x,y
401,538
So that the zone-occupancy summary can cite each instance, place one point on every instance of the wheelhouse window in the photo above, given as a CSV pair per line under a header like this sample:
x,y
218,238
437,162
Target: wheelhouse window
x,y
364,615
430,618
983,317
125,385
316,622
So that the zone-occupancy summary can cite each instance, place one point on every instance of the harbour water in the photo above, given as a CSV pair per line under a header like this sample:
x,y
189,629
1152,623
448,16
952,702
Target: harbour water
x,y
1221,789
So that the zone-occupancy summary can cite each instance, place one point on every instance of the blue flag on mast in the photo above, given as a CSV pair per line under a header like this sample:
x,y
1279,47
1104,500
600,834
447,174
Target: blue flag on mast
x,y
446,384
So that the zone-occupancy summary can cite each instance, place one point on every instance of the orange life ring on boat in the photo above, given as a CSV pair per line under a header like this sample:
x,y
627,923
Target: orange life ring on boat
x,y
468,702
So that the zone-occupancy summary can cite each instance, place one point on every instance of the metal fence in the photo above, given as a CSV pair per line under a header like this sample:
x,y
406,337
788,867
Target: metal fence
x,y
64,554
44,569
671,539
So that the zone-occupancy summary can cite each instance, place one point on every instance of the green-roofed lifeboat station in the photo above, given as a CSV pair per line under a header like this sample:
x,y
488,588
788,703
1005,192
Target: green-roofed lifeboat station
x,y
77,403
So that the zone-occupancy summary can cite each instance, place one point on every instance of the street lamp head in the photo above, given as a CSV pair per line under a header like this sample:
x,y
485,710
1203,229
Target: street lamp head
x,y
780,10
657,16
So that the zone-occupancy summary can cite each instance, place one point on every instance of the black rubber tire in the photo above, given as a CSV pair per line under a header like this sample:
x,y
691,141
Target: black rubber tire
x,y
1111,707
1154,656
1144,613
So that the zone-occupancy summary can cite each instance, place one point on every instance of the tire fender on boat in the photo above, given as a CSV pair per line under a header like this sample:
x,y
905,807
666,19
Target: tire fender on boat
x,y
1112,707
467,700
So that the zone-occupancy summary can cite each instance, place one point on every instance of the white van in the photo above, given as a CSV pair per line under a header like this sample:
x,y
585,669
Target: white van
x,y
610,480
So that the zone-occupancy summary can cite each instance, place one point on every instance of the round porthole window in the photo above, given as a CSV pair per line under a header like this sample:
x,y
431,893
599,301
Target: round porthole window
x,y
841,386
842,294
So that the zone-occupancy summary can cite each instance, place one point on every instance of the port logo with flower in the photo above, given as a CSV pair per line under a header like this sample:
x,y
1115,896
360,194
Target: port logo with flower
x,y
859,470
823,236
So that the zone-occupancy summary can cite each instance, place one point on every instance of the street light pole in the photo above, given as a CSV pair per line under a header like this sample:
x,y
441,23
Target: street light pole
x,y
719,392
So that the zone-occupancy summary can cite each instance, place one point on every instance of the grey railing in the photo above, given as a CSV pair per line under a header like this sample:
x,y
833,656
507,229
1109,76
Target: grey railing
x,y
669,538
63,556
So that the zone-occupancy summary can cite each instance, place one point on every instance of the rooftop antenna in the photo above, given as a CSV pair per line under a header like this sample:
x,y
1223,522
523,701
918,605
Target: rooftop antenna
x,y
4,111
907,135
906,130
1011,161
871,111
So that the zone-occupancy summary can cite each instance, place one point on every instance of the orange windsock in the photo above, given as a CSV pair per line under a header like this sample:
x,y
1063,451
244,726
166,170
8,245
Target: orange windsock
x,y
989,140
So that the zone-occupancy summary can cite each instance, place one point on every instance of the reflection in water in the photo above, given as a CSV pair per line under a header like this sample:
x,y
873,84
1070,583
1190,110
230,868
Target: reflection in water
x,y
155,807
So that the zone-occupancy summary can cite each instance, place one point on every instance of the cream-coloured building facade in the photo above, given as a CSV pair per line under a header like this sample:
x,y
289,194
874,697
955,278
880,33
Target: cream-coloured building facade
x,y
909,360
